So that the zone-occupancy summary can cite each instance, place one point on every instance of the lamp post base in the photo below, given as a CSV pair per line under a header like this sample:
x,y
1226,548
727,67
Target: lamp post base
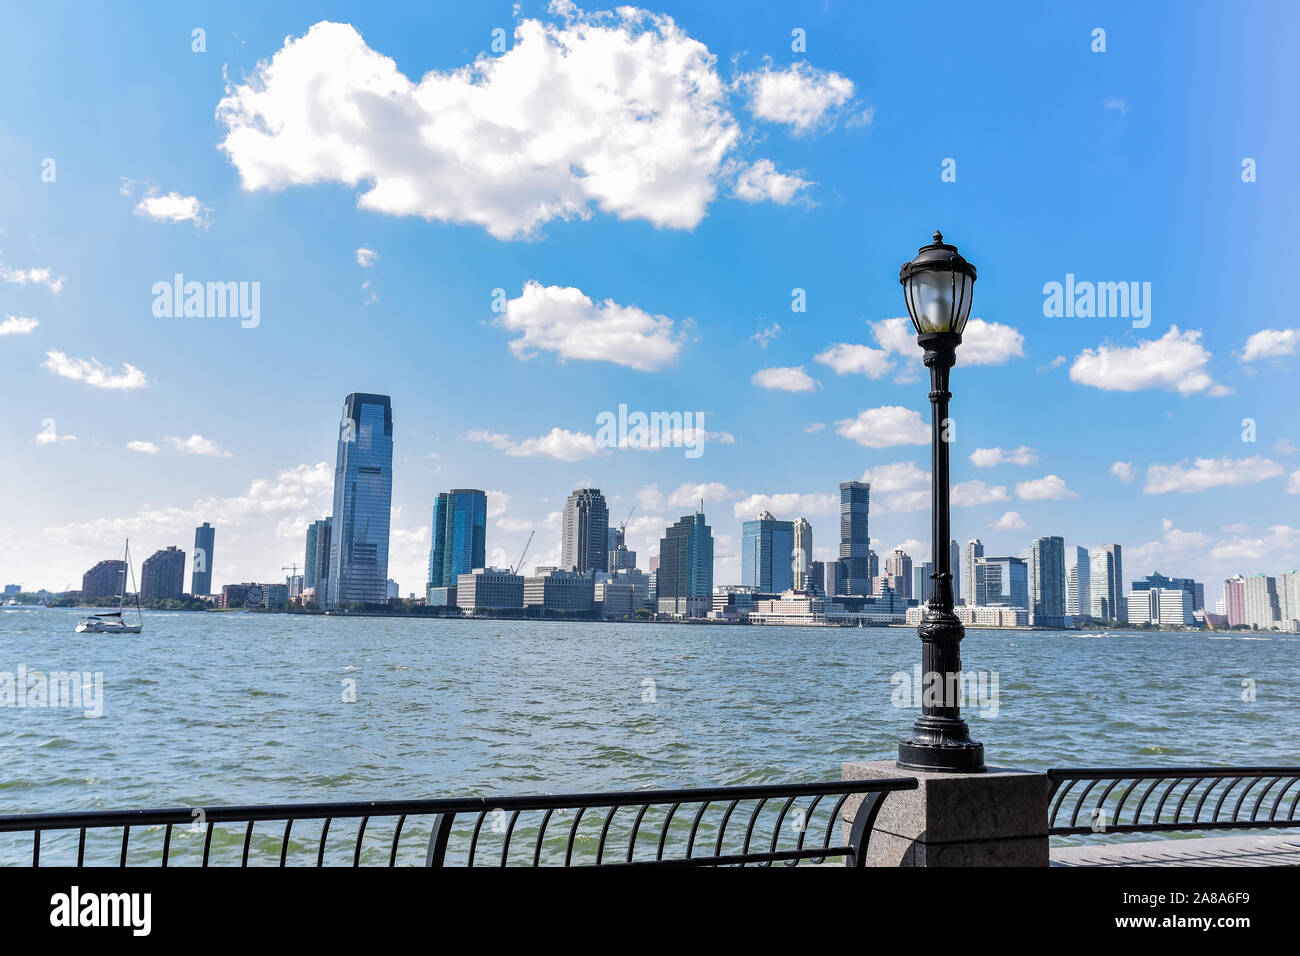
x,y
942,745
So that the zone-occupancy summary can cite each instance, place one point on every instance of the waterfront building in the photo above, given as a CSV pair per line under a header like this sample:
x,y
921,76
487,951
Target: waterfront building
x,y
311,564
555,589
490,589
459,533
922,583
13,590
1262,606
254,596
616,599
1106,577
105,579
954,562
831,578
393,591
974,552
363,495
205,537
1288,600
799,609
440,597
802,556
324,533
1003,581
1078,583
817,577
296,589
1047,582
1167,606
977,615
684,582
1195,591
855,541
585,532
766,554
1234,601
898,569
162,576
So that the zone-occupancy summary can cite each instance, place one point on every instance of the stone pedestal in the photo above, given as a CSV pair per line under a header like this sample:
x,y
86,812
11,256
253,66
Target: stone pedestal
x,y
996,818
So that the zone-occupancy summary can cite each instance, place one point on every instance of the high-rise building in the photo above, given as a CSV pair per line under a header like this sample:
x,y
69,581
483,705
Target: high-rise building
x,y
873,563
1262,606
105,579
973,552
1047,582
1195,591
201,579
802,557
363,498
1078,583
1106,572
855,542
831,574
1003,582
684,582
162,576
1234,600
312,563
459,536
621,557
922,583
585,540
1288,600
766,554
954,564
817,577
898,568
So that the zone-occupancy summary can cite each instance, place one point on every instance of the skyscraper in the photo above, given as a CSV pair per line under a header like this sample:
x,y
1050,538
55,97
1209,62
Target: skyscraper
x,y
363,498
1047,582
1107,582
459,536
684,582
766,554
201,580
1078,583
855,542
922,583
1234,600
802,557
1288,600
311,563
105,579
1262,606
1005,581
954,562
585,532
974,551
898,568
162,576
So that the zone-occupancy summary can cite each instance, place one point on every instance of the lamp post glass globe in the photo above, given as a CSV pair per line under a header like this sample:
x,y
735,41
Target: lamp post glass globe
x,y
937,286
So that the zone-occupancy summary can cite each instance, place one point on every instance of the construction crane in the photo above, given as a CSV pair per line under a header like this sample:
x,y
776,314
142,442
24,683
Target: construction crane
x,y
622,528
520,563
291,567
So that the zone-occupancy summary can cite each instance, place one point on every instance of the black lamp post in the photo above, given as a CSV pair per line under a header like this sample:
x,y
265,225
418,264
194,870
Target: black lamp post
x,y
938,285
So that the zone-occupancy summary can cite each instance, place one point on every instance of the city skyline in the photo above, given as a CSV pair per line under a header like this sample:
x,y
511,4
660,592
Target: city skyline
x,y
766,297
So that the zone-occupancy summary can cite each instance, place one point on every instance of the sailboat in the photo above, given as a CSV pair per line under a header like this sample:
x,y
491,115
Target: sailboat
x,y
112,622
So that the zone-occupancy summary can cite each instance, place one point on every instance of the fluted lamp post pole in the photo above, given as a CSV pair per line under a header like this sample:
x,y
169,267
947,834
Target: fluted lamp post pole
x,y
938,285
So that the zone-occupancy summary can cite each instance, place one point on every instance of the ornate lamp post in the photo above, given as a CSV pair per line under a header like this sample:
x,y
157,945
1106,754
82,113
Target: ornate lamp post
x,y
938,285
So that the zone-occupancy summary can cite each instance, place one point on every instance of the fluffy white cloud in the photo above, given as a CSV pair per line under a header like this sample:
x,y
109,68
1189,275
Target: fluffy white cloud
x,y
896,476
558,443
848,359
812,428
197,445
1010,521
1173,545
1176,361
884,427
1123,470
791,504
93,372
1282,542
988,457
800,96
789,379
621,111
36,276
1209,473
650,498
144,447
761,181
764,336
1047,488
968,494
561,319
1271,342
173,207
906,501
17,325
366,257
983,343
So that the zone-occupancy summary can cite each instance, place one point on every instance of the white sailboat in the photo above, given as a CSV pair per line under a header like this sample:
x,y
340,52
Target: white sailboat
x,y
112,622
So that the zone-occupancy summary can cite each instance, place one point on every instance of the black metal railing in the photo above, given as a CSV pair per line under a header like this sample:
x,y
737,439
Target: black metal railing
x,y
1154,799
718,826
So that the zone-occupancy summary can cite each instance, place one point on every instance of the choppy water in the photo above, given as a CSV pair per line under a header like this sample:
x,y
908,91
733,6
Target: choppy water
x,y
205,709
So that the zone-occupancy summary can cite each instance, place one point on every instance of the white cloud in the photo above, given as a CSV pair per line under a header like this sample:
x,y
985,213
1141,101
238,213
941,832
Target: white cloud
x,y
983,343
765,336
621,111
366,257
1209,473
51,437
1047,488
558,443
812,428
791,504
988,457
1010,521
1282,542
1054,363
885,426
1293,483
173,207
800,96
1174,544
144,447
1271,342
896,476
907,501
968,494
93,372
1176,361
650,498
789,379
1115,103
1123,470
565,321
197,445
760,181
36,276
17,325
848,359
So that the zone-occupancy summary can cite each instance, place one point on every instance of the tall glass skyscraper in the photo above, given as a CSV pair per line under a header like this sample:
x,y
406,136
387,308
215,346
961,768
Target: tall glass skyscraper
x,y
1047,592
684,582
855,542
201,580
459,535
1107,582
363,498
767,554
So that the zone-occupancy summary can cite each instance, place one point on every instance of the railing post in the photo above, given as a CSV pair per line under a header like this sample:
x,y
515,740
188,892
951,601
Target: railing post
x,y
438,838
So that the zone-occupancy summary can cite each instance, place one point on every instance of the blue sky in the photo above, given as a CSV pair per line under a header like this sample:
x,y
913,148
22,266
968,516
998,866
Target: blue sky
x,y
691,172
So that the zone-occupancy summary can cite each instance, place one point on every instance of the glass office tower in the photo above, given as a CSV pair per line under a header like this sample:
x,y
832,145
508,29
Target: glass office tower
x,y
363,497
855,542
459,535
205,537
766,554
